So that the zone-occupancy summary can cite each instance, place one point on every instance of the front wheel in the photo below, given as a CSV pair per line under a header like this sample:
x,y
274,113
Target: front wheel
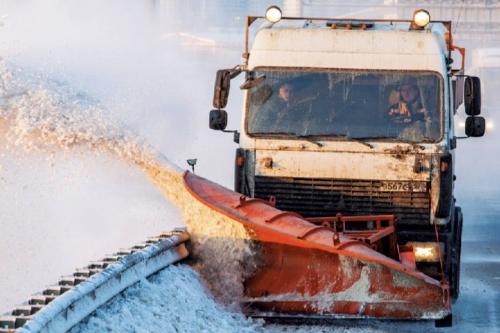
x,y
455,254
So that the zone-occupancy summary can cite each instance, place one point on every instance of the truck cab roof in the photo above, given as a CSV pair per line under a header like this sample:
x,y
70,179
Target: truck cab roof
x,y
377,45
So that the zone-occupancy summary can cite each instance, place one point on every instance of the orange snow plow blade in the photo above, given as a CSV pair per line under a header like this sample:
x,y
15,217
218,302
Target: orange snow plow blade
x,y
325,266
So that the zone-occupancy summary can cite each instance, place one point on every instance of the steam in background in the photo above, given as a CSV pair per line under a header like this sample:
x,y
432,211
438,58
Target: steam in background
x,y
151,66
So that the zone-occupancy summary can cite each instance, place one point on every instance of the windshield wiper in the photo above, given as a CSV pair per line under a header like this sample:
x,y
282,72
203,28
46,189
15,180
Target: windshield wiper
x,y
359,140
410,142
362,141
308,138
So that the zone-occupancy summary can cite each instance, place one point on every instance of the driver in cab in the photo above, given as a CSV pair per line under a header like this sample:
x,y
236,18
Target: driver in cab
x,y
289,110
271,116
285,100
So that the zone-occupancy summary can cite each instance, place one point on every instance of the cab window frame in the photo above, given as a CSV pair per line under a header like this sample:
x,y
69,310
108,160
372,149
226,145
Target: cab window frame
x,y
319,70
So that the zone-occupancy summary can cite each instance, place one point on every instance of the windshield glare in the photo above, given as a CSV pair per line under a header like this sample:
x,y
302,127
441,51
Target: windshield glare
x,y
350,104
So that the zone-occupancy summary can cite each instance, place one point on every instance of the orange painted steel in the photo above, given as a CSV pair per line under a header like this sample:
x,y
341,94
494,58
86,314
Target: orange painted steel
x,y
370,236
306,269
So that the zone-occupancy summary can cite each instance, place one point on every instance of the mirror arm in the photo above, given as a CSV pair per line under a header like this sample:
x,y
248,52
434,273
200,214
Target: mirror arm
x,y
235,71
236,135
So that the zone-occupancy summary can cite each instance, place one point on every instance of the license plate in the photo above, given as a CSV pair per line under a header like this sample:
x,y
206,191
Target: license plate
x,y
402,186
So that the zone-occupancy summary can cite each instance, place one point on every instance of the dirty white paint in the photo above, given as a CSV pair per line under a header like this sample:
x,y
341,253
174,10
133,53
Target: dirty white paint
x,y
339,165
355,49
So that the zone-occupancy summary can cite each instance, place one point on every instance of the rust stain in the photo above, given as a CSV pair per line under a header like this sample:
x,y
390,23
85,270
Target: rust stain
x,y
267,162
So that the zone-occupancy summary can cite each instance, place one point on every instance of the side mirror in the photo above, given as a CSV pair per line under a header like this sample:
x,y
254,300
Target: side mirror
x,y
472,96
458,91
475,126
218,120
221,88
222,85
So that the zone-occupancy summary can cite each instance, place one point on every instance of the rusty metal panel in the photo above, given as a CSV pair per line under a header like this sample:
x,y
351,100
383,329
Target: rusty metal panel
x,y
313,282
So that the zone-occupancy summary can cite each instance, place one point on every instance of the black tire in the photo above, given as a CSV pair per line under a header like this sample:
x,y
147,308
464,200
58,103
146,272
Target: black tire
x,y
456,252
444,322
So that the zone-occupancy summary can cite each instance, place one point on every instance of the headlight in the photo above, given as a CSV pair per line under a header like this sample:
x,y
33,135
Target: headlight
x,y
273,14
490,125
426,251
421,18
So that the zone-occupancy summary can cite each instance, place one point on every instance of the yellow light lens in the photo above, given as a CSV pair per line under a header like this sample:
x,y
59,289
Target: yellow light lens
x,y
421,18
273,14
426,252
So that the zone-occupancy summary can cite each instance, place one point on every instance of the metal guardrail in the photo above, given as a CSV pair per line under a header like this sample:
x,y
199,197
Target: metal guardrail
x,y
58,308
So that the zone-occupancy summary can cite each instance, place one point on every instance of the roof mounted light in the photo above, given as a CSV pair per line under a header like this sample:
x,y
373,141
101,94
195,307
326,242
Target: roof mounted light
x,y
273,14
421,18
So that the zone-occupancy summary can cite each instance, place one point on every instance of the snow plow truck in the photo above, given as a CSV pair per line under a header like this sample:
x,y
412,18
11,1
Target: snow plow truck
x,y
345,167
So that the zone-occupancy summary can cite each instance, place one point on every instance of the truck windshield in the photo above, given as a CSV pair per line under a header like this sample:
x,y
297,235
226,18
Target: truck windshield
x,y
389,105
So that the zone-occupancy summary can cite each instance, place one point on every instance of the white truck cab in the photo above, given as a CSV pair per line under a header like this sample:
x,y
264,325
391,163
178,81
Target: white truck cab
x,y
355,117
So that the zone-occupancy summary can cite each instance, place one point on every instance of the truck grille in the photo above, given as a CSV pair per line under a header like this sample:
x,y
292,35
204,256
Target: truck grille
x,y
327,197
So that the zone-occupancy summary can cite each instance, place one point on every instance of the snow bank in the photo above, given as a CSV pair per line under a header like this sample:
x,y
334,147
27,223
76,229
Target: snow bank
x,y
70,308
172,301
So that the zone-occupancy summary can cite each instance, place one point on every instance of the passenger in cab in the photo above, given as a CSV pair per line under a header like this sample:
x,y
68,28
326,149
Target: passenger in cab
x,y
406,104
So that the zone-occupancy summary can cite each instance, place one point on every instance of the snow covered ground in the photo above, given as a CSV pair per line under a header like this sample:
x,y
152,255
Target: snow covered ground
x,y
175,300
63,209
